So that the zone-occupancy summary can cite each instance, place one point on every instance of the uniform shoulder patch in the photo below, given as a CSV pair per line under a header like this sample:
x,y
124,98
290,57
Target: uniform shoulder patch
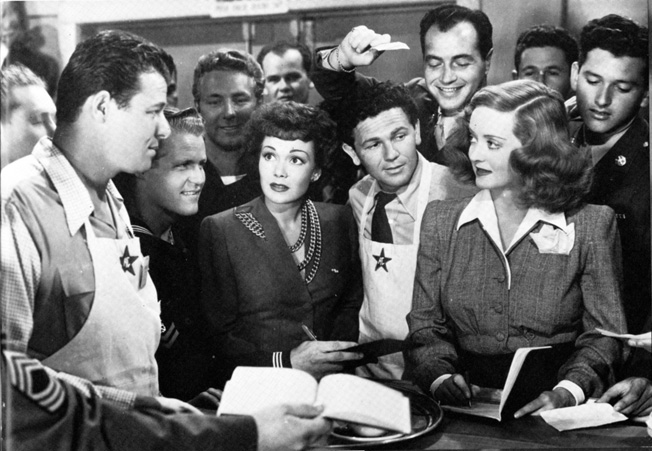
x,y
30,377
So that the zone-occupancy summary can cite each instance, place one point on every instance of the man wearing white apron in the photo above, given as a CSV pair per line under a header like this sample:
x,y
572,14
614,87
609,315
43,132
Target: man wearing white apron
x,y
76,291
384,137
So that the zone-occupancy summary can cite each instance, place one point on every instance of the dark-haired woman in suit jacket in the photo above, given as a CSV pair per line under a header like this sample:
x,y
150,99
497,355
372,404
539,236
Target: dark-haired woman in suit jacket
x,y
281,264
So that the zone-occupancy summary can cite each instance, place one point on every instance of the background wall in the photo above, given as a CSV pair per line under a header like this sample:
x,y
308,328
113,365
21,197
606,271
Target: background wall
x,y
186,30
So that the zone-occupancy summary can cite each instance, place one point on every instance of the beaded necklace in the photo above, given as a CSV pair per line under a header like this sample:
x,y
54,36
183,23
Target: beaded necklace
x,y
309,220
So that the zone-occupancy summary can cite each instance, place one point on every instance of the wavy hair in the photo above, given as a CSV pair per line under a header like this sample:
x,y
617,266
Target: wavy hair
x,y
228,60
290,121
555,175
112,60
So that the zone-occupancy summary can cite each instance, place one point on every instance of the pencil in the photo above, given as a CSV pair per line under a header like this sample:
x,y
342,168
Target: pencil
x,y
309,332
467,380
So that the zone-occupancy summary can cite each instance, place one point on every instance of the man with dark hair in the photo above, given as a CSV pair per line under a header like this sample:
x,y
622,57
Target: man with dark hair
x,y
76,292
456,43
379,127
27,112
227,87
611,83
286,67
545,53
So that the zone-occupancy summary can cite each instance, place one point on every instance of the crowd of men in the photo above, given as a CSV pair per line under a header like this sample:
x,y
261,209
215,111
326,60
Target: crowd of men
x,y
94,359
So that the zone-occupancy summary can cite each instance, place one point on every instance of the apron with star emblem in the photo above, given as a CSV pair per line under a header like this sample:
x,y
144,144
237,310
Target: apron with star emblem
x,y
116,345
388,277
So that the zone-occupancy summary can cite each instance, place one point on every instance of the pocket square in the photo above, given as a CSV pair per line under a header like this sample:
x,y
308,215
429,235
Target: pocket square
x,y
555,240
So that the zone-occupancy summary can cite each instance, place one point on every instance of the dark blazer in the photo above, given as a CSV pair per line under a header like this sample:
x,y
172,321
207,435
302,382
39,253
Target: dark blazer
x,y
256,300
216,197
621,180
183,355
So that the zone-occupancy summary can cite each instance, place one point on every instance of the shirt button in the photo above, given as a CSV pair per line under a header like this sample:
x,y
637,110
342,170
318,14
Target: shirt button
x,y
500,279
498,308
500,336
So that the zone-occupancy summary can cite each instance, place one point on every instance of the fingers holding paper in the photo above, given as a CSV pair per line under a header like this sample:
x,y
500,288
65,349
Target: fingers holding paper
x,y
641,341
320,358
632,396
291,427
357,48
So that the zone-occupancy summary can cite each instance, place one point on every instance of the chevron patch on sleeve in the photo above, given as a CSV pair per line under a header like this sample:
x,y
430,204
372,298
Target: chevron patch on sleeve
x,y
30,378
169,336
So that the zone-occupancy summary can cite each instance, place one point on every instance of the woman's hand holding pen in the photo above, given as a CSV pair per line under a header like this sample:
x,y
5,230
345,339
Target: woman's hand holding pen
x,y
320,358
455,390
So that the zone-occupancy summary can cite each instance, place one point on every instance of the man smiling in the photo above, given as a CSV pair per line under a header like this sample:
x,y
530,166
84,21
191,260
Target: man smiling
x,y
156,199
227,87
456,44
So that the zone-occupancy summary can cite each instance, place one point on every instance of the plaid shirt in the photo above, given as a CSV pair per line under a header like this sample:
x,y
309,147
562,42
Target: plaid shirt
x,y
44,205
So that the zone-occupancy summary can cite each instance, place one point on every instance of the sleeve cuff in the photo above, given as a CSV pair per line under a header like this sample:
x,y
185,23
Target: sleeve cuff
x,y
574,390
440,380
281,359
324,54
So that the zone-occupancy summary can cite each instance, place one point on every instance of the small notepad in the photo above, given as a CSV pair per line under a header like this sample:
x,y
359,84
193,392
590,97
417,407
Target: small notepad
x,y
583,416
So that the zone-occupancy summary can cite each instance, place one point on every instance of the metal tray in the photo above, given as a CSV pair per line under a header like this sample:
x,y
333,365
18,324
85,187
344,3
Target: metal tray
x,y
426,416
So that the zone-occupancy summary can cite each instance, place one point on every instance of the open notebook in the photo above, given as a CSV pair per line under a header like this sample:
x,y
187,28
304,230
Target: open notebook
x,y
345,397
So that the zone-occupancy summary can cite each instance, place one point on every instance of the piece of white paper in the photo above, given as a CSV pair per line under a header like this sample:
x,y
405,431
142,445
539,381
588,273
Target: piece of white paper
x,y
391,46
583,416
608,333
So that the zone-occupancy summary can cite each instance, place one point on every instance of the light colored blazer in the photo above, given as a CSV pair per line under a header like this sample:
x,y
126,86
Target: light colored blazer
x,y
461,298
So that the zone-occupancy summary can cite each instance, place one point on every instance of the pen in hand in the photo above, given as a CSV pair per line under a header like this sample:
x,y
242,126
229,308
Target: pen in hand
x,y
467,380
309,332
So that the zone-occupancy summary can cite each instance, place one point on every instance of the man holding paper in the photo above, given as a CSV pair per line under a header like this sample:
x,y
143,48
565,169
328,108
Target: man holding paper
x,y
456,43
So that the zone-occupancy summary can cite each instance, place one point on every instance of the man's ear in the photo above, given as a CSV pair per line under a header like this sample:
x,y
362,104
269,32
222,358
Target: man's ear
x,y
646,100
99,104
514,74
575,75
350,151
488,61
417,130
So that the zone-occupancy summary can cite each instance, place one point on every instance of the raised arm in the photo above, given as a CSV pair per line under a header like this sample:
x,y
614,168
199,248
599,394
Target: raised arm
x,y
333,71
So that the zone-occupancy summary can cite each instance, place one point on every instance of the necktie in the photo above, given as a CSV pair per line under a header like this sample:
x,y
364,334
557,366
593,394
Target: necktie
x,y
380,230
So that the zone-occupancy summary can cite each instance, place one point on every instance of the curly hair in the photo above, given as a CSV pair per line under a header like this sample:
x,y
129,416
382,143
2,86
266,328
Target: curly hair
x,y
617,35
228,60
291,121
546,36
369,101
555,175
